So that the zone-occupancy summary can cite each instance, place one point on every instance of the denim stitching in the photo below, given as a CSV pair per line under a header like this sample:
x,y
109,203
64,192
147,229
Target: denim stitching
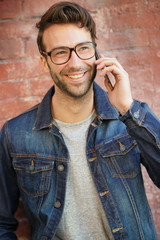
x,y
112,140
41,193
130,197
7,138
107,198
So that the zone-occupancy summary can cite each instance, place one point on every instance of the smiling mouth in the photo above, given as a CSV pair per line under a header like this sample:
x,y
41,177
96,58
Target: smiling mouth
x,y
76,76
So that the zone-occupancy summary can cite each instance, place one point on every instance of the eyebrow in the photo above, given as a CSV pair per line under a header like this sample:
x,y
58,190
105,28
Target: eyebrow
x,y
58,47
66,46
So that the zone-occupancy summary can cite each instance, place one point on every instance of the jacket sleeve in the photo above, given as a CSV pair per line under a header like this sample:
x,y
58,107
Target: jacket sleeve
x,y
9,193
144,127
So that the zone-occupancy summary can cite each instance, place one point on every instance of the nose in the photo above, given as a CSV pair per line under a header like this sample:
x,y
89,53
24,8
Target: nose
x,y
74,59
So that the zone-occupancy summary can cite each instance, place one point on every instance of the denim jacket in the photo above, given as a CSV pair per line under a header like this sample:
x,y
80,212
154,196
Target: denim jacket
x,y
34,161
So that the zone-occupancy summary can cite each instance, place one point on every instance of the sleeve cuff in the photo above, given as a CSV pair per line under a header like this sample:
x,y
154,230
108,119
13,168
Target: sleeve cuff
x,y
136,113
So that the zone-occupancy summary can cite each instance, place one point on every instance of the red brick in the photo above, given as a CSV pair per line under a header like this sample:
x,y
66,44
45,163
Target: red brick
x,y
32,8
23,231
142,84
138,7
18,29
143,95
21,69
102,19
34,67
40,87
32,48
154,37
141,78
124,40
11,70
138,14
10,9
154,6
136,57
133,20
14,89
12,108
94,4
11,48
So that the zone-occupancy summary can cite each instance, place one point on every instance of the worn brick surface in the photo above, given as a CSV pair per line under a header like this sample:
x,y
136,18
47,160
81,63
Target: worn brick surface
x,y
128,30
10,9
11,48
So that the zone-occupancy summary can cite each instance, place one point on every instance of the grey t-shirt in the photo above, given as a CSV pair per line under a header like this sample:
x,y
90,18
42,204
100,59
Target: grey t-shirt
x,y
83,217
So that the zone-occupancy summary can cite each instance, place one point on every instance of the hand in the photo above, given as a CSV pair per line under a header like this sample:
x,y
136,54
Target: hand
x,y
120,96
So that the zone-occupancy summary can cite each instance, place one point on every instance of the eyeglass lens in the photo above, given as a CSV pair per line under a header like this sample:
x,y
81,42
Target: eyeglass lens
x,y
83,50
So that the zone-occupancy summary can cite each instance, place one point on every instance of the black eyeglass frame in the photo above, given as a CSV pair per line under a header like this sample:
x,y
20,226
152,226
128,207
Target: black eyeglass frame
x,y
71,49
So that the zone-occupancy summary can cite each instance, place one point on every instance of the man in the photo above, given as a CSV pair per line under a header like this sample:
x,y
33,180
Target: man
x,y
75,158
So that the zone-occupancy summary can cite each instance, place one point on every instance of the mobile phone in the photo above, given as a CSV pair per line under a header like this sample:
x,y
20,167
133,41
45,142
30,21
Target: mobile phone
x,y
106,77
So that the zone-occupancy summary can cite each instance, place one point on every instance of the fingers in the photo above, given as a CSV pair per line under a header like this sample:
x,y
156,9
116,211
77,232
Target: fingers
x,y
120,96
113,69
110,65
105,62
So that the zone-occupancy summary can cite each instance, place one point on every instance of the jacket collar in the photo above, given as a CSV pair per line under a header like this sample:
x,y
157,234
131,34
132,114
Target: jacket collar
x,y
44,116
104,108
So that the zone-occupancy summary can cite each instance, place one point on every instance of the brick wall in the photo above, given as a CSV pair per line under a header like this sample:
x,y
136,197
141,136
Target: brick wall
x,y
128,30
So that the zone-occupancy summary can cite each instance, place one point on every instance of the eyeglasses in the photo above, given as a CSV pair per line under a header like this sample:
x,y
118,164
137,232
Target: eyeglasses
x,y
62,55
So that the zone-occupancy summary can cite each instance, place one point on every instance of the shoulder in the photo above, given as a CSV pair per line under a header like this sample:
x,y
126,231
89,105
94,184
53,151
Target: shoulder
x,y
24,120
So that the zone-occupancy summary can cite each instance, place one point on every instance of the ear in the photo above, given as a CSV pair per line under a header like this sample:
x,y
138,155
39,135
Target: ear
x,y
44,62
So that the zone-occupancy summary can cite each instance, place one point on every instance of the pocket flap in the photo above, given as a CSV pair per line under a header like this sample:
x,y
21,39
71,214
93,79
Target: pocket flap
x,y
117,146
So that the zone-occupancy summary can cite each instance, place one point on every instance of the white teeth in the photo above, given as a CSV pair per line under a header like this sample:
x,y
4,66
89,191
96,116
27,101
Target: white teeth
x,y
76,76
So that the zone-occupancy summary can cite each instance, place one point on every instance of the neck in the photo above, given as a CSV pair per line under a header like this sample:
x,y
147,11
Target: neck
x,y
69,109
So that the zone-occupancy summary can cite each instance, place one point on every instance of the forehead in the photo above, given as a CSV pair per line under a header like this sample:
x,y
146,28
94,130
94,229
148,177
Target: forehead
x,y
64,35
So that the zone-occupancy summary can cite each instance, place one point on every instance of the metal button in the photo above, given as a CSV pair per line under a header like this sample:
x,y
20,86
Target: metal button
x,y
57,204
122,148
136,114
60,167
31,167
44,238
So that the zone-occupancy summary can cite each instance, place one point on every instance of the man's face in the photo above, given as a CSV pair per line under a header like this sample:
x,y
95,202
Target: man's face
x,y
75,77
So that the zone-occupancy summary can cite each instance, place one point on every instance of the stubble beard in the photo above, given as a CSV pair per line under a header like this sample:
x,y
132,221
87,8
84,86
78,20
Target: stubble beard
x,y
67,89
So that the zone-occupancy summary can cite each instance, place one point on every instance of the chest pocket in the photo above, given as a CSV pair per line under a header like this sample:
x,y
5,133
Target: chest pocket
x,y
122,156
33,175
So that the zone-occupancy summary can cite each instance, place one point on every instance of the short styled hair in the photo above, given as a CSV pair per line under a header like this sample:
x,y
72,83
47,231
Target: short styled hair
x,y
62,13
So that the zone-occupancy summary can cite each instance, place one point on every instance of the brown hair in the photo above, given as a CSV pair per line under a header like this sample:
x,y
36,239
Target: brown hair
x,y
65,12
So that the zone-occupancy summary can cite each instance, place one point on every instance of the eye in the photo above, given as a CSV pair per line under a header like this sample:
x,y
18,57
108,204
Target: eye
x,y
59,53
84,48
